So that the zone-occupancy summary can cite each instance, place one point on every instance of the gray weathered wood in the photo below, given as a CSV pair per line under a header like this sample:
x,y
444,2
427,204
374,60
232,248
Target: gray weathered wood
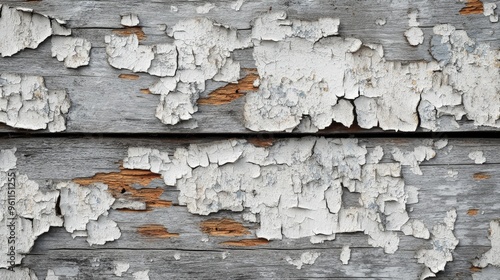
x,y
103,103
67,158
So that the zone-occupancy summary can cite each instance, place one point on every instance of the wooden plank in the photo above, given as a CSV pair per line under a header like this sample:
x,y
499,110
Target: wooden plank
x,y
473,191
104,103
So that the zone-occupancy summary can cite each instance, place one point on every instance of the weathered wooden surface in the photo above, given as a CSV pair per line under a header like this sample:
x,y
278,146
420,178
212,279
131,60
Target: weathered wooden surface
x,y
473,192
103,102
113,110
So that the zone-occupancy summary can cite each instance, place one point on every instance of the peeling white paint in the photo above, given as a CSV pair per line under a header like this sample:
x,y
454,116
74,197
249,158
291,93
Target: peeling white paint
x,y
236,5
415,36
129,20
26,103
295,186
18,273
33,213
51,275
174,9
489,11
381,21
85,210
477,157
75,52
492,256
413,159
123,203
345,255
120,268
443,244
204,52
307,258
205,9
22,29
177,256
141,275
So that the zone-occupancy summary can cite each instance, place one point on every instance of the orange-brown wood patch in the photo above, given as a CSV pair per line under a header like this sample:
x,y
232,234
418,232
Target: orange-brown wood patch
x,y
481,176
128,76
230,92
155,231
223,227
472,7
120,185
246,242
131,30
145,91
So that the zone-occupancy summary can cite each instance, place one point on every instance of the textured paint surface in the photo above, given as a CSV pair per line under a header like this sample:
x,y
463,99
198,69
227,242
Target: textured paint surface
x,y
26,103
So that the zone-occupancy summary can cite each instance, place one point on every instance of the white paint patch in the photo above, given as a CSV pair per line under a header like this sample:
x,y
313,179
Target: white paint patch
x,y
225,255
205,9
85,210
415,36
51,275
204,52
294,186
141,275
489,10
236,5
177,256
492,256
443,244
75,52
18,273
129,20
414,158
120,268
381,21
306,258
345,255
26,103
174,9
24,29
477,157
33,214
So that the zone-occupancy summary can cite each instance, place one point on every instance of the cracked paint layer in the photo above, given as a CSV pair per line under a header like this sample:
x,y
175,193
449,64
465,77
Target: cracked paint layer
x,y
414,35
294,187
492,256
29,211
75,52
18,273
477,157
303,75
26,103
23,28
202,50
307,258
443,243
129,20
489,11
345,255
85,211
120,268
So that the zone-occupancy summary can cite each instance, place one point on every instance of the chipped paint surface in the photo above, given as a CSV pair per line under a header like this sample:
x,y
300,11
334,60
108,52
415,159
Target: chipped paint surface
x,y
129,20
85,211
443,243
492,256
29,211
294,186
75,52
156,231
345,255
307,258
26,103
120,268
23,29
477,157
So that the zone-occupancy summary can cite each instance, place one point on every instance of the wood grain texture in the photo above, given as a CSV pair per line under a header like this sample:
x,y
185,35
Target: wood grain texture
x,y
218,256
105,103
